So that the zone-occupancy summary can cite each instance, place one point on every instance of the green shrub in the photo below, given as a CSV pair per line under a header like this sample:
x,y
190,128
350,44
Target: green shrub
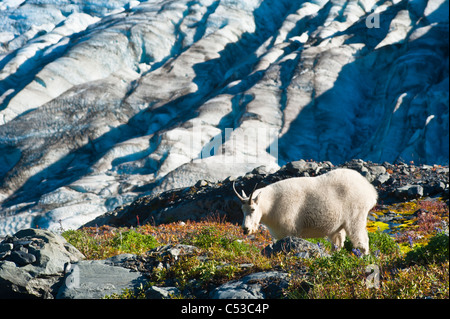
x,y
90,247
435,251
206,238
382,242
133,242
379,242
222,244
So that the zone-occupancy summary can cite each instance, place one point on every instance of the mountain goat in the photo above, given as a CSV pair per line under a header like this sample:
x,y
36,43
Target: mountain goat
x,y
334,204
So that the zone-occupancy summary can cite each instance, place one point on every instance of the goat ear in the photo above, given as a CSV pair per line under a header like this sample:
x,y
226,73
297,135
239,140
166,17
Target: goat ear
x,y
255,200
244,195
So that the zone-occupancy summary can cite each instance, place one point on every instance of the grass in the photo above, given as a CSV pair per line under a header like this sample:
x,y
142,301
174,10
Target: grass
x,y
105,242
405,262
386,273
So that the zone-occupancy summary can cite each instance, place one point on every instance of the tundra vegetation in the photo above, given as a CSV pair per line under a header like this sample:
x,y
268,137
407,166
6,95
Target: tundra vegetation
x,y
411,255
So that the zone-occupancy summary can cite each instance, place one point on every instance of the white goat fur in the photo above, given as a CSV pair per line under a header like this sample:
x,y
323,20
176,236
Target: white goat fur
x,y
334,204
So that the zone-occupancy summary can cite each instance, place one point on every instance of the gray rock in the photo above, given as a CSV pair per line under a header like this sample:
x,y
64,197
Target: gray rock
x,y
381,179
155,292
261,285
435,188
300,247
201,183
22,258
409,191
119,260
377,170
173,251
5,254
34,273
415,191
263,170
300,166
6,247
365,172
95,279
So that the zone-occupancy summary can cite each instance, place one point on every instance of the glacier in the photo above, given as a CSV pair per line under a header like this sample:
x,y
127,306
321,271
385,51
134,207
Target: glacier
x,y
105,101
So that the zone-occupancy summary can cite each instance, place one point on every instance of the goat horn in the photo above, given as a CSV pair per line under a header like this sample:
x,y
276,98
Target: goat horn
x,y
251,194
237,194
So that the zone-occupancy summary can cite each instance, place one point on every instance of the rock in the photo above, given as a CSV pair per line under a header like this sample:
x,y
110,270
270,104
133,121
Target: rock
x,y
173,251
155,292
381,179
434,188
95,279
298,246
377,170
119,260
22,258
6,247
261,285
297,167
263,170
201,183
415,191
409,191
162,257
367,175
34,270
5,254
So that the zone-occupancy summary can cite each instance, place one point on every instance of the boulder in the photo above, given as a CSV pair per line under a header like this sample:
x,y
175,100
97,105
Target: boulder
x,y
297,167
95,279
155,292
381,179
409,191
35,263
298,246
261,285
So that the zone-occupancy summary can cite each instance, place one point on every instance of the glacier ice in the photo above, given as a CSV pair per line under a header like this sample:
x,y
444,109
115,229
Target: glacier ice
x,y
105,101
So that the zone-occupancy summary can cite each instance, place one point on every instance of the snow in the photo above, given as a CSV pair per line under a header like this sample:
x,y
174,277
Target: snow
x,y
105,101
